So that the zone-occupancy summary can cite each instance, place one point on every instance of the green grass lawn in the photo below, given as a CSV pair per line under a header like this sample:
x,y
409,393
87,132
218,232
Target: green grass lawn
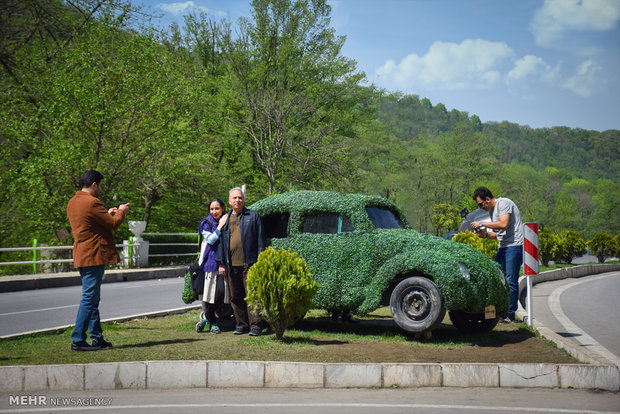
x,y
315,339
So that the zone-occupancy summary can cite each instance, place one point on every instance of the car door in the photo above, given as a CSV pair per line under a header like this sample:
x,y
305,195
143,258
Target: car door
x,y
337,256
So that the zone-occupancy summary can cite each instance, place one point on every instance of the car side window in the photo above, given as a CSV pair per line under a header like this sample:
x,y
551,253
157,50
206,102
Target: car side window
x,y
329,223
383,218
275,225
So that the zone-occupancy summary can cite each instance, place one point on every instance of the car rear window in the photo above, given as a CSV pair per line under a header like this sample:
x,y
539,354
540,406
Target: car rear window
x,y
275,225
383,218
331,223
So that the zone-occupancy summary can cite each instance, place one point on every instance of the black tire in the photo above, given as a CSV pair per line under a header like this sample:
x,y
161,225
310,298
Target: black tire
x,y
472,322
417,304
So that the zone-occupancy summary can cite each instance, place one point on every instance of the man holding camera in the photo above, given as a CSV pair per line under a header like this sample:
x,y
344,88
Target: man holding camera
x,y
505,226
93,249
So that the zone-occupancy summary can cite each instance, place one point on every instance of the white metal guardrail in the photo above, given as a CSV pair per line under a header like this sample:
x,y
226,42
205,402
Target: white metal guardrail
x,y
130,250
41,248
172,244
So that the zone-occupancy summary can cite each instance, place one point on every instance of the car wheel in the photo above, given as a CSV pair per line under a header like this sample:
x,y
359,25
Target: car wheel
x,y
472,322
417,304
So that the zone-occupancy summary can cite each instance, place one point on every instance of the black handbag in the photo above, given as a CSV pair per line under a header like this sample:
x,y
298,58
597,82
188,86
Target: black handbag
x,y
194,280
197,275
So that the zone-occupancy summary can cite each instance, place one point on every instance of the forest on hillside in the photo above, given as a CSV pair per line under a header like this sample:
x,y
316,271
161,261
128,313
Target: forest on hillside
x,y
174,118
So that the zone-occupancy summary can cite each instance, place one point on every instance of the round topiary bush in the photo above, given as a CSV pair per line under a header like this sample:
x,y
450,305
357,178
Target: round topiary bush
x,y
486,246
280,288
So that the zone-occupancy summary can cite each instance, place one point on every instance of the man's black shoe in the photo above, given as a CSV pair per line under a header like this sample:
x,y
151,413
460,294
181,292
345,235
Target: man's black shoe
x,y
255,332
240,331
83,346
102,343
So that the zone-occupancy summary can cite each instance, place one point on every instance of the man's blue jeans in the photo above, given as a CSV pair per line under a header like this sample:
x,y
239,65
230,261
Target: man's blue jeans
x,y
88,312
510,259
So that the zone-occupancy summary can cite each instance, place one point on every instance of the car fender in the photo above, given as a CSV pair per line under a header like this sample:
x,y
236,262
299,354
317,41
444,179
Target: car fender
x,y
408,263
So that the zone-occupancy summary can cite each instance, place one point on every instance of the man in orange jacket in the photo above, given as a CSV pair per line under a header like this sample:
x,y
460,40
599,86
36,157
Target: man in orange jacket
x,y
93,249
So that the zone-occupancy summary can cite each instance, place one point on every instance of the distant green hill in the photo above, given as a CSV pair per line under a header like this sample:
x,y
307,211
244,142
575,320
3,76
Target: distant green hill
x,y
586,154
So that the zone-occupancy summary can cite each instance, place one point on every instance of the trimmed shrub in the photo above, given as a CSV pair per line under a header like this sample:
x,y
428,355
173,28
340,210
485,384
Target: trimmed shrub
x,y
602,246
569,245
616,243
546,242
486,246
280,288
189,294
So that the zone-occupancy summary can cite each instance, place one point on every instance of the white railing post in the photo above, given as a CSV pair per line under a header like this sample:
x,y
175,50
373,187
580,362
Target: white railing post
x,y
142,246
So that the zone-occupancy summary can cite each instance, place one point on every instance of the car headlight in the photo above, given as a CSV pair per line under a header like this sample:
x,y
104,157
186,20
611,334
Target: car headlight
x,y
502,277
464,271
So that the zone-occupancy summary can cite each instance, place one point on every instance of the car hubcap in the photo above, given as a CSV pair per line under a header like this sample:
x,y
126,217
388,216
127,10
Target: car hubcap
x,y
416,304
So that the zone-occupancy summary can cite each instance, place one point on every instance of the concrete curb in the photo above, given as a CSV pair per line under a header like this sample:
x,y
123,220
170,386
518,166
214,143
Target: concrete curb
x,y
50,280
265,374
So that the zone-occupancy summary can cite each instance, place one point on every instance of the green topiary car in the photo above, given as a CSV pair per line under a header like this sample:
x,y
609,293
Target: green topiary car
x,y
363,255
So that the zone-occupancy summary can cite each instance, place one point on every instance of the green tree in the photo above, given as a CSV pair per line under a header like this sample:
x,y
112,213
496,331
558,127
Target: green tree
x,y
446,216
445,167
616,244
476,122
296,98
280,288
602,246
569,245
606,212
109,99
546,243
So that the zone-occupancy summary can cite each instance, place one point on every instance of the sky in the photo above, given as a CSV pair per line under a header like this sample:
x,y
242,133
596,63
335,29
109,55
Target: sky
x,y
541,63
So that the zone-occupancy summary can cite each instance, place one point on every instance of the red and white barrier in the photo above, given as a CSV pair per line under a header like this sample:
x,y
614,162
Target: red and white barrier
x,y
530,263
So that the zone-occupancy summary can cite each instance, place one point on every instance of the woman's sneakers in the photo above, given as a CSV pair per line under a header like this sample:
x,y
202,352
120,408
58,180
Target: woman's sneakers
x,y
203,324
200,325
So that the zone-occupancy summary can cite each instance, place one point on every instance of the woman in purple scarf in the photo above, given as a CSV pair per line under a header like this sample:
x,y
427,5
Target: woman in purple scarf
x,y
211,297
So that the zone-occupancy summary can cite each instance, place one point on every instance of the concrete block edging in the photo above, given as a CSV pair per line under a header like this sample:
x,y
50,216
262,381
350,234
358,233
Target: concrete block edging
x,y
275,374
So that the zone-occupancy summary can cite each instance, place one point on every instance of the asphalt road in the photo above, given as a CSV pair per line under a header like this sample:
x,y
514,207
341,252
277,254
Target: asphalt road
x,y
324,401
584,310
32,310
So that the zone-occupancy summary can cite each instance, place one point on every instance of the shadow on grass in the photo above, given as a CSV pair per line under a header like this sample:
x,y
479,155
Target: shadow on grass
x,y
384,327
13,360
157,343
297,340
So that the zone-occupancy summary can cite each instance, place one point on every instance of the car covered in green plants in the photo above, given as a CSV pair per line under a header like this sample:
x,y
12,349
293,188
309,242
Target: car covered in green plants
x,y
364,255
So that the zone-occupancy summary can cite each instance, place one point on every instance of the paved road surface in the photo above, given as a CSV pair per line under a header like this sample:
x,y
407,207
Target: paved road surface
x,y
585,310
329,401
31,310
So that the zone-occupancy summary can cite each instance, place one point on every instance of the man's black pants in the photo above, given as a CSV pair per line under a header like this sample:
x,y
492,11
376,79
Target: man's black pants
x,y
237,276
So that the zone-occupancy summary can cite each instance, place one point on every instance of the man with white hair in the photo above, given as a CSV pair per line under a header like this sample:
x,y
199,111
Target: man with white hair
x,y
242,239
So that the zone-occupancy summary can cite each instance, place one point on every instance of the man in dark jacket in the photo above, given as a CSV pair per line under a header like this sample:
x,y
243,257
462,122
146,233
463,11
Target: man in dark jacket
x,y
241,241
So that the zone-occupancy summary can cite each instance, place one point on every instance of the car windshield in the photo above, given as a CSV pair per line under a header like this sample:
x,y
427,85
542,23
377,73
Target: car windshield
x,y
383,218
